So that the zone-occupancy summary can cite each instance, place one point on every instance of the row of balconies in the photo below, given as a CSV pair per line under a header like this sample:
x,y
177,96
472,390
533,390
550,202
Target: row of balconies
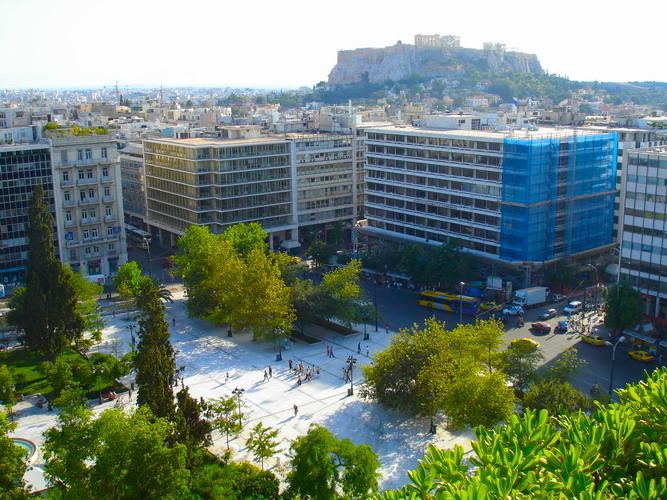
x,y
90,220
87,181
86,162
88,241
74,256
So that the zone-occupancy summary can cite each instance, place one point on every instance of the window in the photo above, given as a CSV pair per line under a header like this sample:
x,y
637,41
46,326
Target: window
x,y
84,214
88,249
105,172
107,211
81,174
82,195
89,173
63,156
104,153
96,249
107,191
68,216
86,234
111,247
94,233
79,154
89,154
91,193
65,176
66,195
109,230
93,214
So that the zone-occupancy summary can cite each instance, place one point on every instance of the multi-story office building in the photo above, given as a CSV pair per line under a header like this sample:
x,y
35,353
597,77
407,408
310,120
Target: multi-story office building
x,y
519,198
643,260
283,182
133,182
22,166
88,201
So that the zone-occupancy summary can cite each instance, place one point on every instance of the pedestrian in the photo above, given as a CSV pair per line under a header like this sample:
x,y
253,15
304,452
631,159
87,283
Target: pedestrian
x,y
298,380
386,327
345,374
332,353
266,376
317,369
290,364
270,372
296,410
130,394
173,321
226,377
359,348
367,352
113,313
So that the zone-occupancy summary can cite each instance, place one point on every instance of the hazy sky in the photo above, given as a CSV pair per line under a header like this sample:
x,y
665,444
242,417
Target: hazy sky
x,y
290,43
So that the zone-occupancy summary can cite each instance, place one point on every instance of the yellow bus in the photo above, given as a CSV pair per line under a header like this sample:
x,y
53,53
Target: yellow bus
x,y
449,302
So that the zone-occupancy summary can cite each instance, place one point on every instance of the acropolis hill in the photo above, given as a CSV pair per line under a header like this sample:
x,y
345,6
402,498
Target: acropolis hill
x,y
434,56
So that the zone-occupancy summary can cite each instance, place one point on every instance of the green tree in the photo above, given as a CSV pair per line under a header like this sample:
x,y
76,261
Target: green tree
x,y
343,297
624,307
564,366
556,397
246,237
335,234
520,361
322,465
616,452
321,252
190,427
307,301
225,415
115,456
45,311
12,462
58,374
86,305
6,386
128,280
262,442
449,264
154,360
242,481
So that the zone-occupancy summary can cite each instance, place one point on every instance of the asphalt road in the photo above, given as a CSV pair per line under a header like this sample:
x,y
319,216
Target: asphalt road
x,y
400,308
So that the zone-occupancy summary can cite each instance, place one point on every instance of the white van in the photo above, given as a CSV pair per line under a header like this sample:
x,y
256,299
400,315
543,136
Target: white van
x,y
100,279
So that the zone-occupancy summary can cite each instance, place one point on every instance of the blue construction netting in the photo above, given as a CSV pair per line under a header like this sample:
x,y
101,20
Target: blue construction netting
x,y
556,196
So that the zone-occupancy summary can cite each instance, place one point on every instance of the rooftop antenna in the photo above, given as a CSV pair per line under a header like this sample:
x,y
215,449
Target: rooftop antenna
x,y
117,94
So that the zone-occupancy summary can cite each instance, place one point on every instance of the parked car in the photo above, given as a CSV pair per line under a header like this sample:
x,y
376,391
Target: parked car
x,y
548,314
562,326
644,356
526,341
489,306
558,297
594,339
572,307
541,327
513,311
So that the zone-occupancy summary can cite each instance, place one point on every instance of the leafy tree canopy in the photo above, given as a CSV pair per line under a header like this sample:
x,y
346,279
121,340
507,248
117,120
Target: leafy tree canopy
x,y
624,307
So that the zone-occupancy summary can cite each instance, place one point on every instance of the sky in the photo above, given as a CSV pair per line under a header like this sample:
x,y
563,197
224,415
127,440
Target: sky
x,y
293,43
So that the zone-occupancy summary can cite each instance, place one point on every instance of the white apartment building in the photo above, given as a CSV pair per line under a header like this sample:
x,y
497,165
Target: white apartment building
x,y
88,200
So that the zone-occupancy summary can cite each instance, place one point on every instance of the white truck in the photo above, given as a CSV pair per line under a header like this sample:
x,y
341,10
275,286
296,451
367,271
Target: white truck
x,y
528,297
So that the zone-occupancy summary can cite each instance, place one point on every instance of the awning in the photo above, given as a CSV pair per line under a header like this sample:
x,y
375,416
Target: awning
x,y
639,336
289,244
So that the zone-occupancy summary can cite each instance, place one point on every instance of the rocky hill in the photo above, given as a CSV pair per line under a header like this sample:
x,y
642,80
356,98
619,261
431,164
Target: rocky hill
x,y
400,61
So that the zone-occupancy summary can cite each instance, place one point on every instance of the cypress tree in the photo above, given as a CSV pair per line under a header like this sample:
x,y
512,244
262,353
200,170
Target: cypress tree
x,y
155,360
45,310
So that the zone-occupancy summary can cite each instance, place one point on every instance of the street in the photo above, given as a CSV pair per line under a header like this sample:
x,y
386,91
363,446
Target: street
x,y
400,308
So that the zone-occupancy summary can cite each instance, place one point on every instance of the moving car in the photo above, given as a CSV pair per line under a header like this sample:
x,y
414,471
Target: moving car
x,y
572,307
593,339
561,326
167,263
641,356
526,341
558,297
489,306
548,314
503,319
513,311
541,327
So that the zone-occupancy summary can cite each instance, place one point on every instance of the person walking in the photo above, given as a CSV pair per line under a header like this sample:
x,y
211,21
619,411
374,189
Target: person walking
x,y
367,352
328,352
130,394
226,377
266,376
113,313
332,353
296,410
386,327
173,321
298,380
290,364
359,348
270,372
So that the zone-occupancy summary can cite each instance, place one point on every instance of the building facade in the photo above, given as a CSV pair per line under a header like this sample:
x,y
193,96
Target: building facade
x,y
22,167
133,181
643,253
516,197
89,202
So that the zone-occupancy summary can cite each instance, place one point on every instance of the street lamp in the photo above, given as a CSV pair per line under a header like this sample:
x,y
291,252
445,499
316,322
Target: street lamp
x,y
461,304
237,392
148,247
352,362
597,281
279,356
613,362
375,304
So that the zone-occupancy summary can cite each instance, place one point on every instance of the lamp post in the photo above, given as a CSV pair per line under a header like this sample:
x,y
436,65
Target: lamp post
x,y
461,304
597,281
148,247
613,362
279,356
237,392
375,304
353,361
